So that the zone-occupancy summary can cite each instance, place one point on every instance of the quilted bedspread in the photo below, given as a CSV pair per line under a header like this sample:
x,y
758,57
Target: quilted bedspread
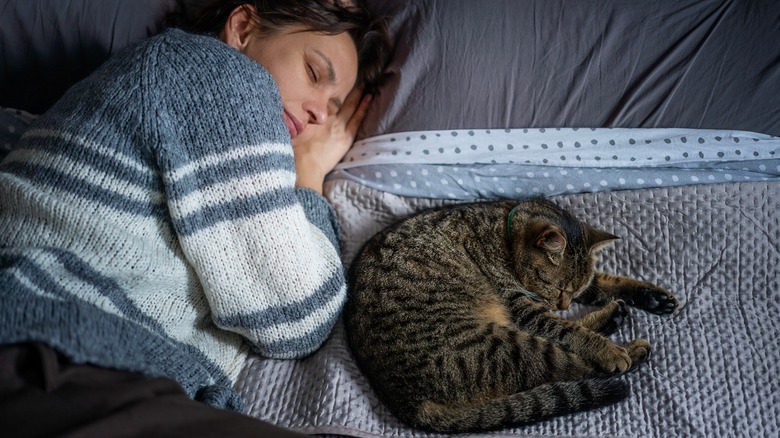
x,y
715,364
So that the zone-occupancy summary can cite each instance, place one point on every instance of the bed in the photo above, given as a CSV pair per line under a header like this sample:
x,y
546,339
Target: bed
x,y
656,120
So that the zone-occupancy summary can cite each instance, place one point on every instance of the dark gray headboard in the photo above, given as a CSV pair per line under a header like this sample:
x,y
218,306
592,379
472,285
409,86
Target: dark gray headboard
x,y
46,46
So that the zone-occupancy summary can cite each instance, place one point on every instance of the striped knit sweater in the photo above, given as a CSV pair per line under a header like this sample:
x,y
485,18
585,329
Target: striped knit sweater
x,y
150,222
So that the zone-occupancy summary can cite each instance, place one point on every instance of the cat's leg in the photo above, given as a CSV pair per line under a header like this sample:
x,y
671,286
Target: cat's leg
x,y
607,319
640,294
537,319
615,359
535,360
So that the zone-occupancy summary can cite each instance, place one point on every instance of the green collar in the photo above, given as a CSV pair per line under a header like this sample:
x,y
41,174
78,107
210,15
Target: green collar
x,y
527,293
531,295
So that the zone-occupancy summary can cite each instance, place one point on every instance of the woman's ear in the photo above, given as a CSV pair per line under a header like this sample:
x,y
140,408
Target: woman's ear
x,y
238,27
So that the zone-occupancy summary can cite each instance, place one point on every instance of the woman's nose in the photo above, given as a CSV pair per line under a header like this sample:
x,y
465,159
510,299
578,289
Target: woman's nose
x,y
317,109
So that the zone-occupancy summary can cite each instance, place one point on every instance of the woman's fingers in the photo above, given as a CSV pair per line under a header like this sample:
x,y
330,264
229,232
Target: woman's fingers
x,y
357,117
327,143
352,100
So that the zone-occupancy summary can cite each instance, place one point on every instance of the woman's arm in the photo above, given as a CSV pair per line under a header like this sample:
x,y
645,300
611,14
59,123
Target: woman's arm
x,y
267,272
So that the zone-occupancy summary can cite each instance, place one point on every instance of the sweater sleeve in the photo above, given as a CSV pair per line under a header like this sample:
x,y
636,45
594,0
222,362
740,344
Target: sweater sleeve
x,y
320,213
264,252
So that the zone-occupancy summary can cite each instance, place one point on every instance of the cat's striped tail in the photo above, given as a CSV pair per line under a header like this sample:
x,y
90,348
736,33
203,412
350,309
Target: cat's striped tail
x,y
544,401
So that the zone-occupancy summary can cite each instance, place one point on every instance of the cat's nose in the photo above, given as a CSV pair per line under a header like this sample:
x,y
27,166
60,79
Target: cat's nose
x,y
563,302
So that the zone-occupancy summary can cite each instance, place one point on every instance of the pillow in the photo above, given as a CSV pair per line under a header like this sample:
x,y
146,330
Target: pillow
x,y
462,64
46,46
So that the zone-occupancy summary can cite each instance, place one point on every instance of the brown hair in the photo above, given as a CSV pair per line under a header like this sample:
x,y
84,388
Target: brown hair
x,y
369,32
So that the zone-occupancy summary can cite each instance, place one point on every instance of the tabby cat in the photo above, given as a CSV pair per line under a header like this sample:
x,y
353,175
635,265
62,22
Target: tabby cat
x,y
450,316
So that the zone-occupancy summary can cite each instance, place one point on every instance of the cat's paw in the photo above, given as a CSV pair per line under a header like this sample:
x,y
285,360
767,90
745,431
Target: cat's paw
x,y
654,299
613,359
620,313
638,350
617,314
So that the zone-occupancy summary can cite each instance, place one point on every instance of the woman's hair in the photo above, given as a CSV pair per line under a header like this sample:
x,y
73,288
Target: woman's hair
x,y
332,17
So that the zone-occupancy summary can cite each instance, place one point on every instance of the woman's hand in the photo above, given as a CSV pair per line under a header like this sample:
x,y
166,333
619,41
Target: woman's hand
x,y
318,155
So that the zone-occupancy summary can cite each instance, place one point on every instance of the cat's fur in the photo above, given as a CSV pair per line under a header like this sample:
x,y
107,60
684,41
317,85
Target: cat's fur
x,y
441,322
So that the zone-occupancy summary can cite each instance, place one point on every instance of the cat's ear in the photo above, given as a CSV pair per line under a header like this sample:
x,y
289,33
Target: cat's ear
x,y
551,240
598,239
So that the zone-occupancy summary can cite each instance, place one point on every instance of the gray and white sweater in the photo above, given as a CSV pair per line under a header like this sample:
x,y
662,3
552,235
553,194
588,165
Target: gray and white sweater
x,y
150,222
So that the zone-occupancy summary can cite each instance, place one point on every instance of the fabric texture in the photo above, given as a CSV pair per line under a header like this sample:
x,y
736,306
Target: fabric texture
x,y
713,370
150,228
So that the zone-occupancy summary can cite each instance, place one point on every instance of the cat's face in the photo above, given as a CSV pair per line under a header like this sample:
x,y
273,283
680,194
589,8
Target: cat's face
x,y
556,261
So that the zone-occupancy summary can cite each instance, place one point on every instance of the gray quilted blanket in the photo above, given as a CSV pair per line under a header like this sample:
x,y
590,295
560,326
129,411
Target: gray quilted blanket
x,y
715,365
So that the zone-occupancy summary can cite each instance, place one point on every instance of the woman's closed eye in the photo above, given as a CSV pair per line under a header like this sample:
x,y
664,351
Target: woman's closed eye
x,y
312,73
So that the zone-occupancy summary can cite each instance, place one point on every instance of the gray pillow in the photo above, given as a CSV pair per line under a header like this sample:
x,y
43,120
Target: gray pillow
x,y
478,64
558,63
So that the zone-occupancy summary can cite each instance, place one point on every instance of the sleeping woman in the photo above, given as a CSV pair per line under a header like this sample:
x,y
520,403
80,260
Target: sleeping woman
x,y
165,218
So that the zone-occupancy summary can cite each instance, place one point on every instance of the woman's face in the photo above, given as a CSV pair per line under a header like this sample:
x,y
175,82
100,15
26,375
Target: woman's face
x,y
314,71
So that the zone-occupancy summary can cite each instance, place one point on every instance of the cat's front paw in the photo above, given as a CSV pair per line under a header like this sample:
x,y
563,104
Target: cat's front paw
x,y
613,359
607,320
654,299
619,316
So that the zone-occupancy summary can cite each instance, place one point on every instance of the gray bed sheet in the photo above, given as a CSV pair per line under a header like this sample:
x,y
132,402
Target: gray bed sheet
x,y
715,364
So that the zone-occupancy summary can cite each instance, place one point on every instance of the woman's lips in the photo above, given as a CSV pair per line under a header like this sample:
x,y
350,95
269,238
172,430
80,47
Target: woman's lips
x,y
293,125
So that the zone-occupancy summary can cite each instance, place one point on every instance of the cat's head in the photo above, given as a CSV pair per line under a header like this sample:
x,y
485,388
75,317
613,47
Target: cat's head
x,y
553,252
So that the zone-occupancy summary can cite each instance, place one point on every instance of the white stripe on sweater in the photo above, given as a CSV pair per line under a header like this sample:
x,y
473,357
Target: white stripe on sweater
x,y
53,160
300,328
255,263
222,193
101,149
28,283
67,281
219,157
